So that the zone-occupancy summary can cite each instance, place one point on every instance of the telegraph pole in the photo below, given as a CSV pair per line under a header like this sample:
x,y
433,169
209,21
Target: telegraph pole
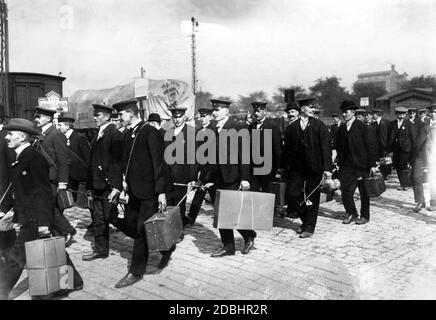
x,y
194,59
4,56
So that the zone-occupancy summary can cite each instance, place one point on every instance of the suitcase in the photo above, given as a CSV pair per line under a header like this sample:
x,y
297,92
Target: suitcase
x,y
65,199
279,189
326,196
163,229
375,186
405,177
244,210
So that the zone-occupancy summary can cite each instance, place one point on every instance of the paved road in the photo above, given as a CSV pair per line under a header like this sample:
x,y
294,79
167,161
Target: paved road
x,y
392,257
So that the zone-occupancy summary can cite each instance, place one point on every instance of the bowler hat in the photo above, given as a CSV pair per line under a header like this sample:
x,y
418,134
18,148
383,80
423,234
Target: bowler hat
x,y
123,105
292,105
348,105
154,117
44,111
259,105
20,124
66,117
102,108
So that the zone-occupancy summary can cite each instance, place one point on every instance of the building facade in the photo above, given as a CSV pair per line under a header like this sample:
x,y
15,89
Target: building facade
x,y
390,80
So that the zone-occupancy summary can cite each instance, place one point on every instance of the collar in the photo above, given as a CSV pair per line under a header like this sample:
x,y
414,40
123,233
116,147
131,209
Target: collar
x,y
103,127
400,122
69,133
44,128
222,122
292,121
378,120
432,123
205,127
351,121
304,119
134,124
21,148
178,129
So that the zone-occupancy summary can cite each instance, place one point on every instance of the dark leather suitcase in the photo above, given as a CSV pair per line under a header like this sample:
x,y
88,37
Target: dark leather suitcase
x,y
163,229
65,199
405,177
375,186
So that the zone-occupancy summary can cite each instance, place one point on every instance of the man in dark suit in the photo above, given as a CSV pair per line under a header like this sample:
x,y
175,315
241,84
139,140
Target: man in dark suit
x,y
308,157
32,203
230,176
356,149
423,158
155,121
423,115
80,152
104,178
146,178
205,172
180,144
264,124
52,144
381,131
334,128
401,140
413,118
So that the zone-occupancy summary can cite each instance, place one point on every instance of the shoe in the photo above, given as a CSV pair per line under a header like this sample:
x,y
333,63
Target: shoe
x,y
165,259
66,292
431,208
187,221
306,234
225,251
362,221
180,238
249,244
69,240
349,219
418,207
128,280
93,256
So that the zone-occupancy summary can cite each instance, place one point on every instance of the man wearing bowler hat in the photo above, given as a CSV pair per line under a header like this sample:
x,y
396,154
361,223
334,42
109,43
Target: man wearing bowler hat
x,y
155,121
104,178
308,158
401,141
356,159
32,204
230,176
52,144
80,152
146,180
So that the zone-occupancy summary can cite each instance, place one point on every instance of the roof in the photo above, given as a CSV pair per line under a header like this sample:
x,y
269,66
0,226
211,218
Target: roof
x,y
33,74
389,96
378,73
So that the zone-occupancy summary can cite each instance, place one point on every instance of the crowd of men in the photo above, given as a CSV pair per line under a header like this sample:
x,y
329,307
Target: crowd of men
x,y
127,155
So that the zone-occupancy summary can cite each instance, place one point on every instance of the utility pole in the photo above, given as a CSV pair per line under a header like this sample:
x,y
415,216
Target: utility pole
x,y
194,59
141,100
4,56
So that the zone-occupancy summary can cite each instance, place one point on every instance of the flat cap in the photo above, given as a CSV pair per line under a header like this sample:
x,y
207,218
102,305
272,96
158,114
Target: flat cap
x,y
412,109
23,125
205,111
422,110
66,117
431,107
360,111
348,105
377,110
178,112
102,108
123,105
218,103
400,110
306,101
44,111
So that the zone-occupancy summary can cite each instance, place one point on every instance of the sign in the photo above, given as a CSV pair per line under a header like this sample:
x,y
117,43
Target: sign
x,y
141,88
364,102
54,101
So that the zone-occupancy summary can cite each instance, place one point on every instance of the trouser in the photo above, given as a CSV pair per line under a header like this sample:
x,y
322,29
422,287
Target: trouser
x,y
137,212
385,170
103,213
227,236
261,183
197,201
174,197
60,223
400,163
14,261
73,184
418,180
351,179
302,183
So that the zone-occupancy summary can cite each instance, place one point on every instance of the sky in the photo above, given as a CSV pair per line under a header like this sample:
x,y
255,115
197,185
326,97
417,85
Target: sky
x,y
242,45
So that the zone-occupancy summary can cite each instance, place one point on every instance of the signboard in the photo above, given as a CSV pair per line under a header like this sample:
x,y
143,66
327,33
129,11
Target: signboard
x,y
141,88
54,101
364,102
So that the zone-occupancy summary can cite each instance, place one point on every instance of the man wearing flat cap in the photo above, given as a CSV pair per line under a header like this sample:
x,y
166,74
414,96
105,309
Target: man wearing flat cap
x,y
104,179
146,180
205,172
424,159
262,123
356,158
52,144
422,115
32,204
381,131
308,158
402,135
182,171
80,152
230,176
413,118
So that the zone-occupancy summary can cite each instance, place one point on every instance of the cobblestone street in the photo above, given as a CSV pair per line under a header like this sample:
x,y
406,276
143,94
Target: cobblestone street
x,y
392,257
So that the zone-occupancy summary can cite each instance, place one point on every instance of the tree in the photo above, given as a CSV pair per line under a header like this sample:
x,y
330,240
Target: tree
x,y
371,90
421,81
329,94
202,99
244,102
278,98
